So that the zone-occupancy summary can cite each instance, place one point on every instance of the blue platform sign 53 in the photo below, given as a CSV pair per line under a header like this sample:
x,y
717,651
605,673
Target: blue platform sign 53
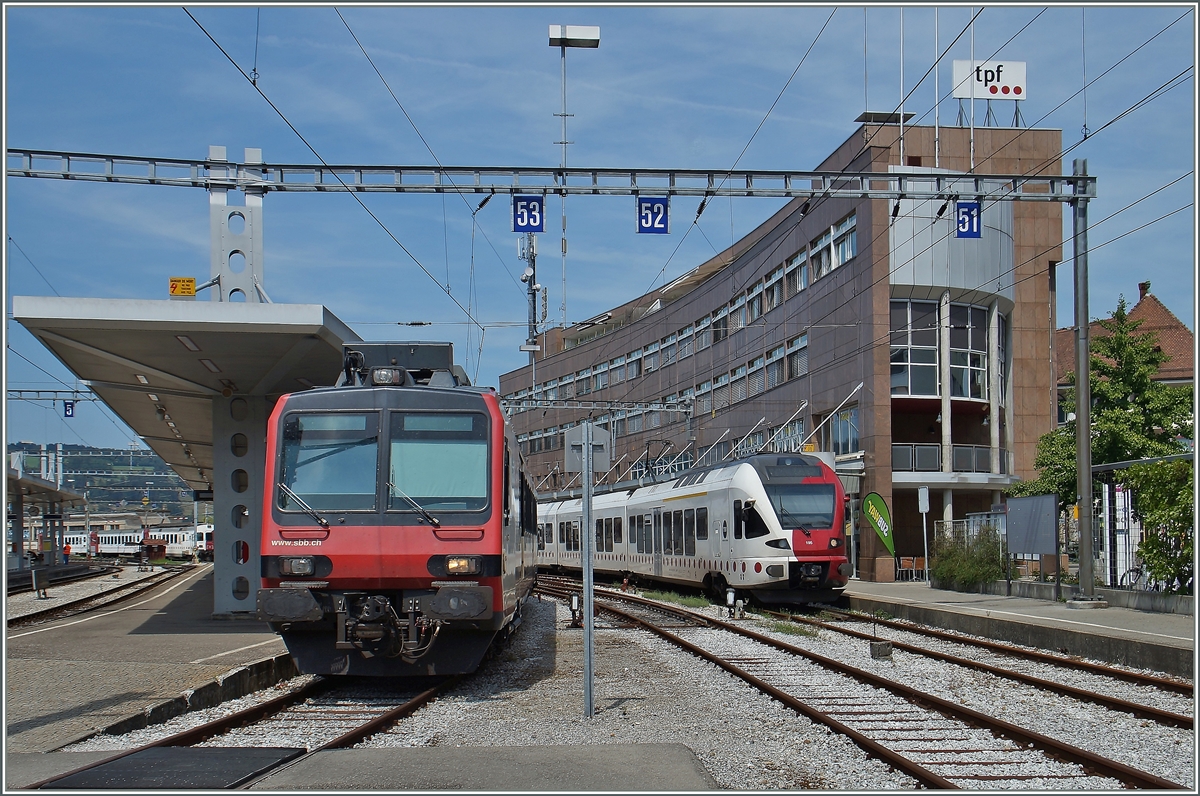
x,y
966,214
653,215
529,213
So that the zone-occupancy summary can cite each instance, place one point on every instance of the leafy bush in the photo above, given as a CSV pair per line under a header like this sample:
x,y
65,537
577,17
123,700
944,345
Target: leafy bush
x,y
966,564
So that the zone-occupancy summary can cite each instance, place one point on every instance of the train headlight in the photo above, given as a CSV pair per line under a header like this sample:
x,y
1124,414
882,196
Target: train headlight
x,y
782,544
834,542
387,376
462,565
297,566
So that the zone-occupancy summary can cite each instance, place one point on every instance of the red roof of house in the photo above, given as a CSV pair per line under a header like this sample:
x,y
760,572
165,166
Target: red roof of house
x,y
1174,338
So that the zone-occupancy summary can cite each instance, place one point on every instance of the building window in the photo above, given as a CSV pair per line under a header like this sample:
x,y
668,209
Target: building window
x,y
685,343
704,397
650,358
583,382
822,256
797,356
775,368
634,367
703,333
756,378
796,278
791,437
754,304
841,432
968,351
773,293
600,380
720,325
721,392
737,314
737,384
845,241
1002,356
668,350
914,353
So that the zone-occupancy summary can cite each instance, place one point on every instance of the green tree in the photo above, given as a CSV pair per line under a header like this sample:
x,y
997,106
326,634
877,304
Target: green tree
x,y
1133,416
1164,502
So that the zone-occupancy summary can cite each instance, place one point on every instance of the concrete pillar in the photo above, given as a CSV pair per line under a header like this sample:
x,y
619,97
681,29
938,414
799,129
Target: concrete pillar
x,y
994,365
944,374
239,456
16,515
948,506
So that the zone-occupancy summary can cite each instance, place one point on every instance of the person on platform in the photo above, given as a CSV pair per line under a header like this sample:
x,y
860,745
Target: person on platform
x,y
66,554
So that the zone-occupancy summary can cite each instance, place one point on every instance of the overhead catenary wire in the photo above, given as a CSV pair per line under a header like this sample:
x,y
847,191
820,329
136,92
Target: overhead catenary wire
x,y
318,156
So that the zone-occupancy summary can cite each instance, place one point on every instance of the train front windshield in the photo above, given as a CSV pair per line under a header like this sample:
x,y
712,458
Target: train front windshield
x,y
803,505
330,460
439,460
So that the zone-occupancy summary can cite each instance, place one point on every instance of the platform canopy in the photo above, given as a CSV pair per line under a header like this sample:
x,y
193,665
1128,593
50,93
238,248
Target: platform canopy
x,y
159,364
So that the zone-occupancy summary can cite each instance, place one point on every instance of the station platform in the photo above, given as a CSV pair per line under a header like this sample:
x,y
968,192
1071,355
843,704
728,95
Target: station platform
x,y
1164,642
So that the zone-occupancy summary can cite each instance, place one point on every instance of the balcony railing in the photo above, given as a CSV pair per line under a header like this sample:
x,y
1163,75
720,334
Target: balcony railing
x,y
927,458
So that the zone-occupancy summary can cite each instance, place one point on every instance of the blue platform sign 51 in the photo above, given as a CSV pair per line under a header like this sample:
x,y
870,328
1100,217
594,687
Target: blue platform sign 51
x,y
966,215
653,215
529,213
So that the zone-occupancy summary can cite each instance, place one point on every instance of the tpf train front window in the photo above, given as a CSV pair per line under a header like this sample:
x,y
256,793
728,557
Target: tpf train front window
x,y
330,461
439,461
802,505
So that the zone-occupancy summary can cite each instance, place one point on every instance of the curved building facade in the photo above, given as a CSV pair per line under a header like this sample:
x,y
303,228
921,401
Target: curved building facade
x,y
950,339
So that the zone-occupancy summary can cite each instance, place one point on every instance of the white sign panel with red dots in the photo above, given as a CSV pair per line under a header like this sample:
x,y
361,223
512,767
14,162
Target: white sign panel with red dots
x,y
990,80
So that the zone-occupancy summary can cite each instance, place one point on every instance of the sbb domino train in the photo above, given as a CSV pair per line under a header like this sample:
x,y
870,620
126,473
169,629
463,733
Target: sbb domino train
x,y
769,526
399,529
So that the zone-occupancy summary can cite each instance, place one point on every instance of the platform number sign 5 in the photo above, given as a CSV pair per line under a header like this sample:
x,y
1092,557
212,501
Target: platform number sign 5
x,y
529,213
653,215
967,216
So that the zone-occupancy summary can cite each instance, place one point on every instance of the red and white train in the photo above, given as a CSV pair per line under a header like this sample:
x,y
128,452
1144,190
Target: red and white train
x,y
399,529
770,526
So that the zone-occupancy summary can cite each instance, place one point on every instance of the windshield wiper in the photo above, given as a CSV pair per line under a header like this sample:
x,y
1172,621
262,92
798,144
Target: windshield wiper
x,y
788,514
432,520
307,509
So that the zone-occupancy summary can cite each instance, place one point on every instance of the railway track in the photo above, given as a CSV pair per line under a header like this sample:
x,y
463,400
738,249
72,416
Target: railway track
x,y
122,592
321,715
25,588
1166,717
939,742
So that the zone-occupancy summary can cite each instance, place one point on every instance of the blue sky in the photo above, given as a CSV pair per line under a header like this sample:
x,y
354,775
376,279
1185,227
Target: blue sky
x,y
669,86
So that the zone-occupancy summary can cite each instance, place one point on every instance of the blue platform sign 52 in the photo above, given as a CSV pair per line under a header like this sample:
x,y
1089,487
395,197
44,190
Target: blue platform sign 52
x,y
529,213
653,215
966,215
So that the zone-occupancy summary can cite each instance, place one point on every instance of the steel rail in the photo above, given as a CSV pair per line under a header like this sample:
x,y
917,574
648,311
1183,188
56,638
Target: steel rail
x,y
208,729
102,599
1164,683
1113,703
264,177
381,722
22,589
1088,760
871,747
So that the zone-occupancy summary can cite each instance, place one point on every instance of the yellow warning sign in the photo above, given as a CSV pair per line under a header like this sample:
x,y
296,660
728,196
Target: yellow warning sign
x,y
145,501
183,286
808,447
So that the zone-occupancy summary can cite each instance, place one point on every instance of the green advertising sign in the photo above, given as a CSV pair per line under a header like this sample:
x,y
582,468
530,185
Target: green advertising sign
x,y
876,512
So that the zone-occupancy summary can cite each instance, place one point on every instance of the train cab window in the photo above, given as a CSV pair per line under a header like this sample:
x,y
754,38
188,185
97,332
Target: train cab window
x,y
702,524
755,525
678,531
440,460
617,530
737,519
329,460
689,532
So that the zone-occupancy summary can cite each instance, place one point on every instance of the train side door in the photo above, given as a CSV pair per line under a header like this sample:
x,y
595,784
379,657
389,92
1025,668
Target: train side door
x,y
658,543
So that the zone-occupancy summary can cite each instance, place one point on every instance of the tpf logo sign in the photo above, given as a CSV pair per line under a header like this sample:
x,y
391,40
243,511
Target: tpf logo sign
x,y
989,80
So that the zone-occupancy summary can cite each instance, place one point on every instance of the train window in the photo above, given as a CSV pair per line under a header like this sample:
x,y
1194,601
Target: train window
x,y
608,534
807,505
599,536
755,525
678,531
575,534
440,460
668,538
657,533
702,523
562,533
689,532
737,519
635,529
617,530
329,461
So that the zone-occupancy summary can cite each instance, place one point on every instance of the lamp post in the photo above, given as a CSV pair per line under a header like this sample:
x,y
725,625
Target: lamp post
x,y
564,36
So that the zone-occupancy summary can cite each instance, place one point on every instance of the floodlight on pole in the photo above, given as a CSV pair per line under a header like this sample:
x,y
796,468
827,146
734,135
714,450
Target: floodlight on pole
x,y
564,36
